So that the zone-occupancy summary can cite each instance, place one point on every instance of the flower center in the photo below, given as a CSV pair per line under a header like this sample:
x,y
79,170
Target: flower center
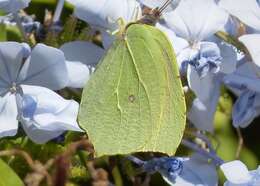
x,y
13,88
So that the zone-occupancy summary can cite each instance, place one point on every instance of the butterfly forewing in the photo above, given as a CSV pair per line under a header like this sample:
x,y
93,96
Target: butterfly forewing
x,y
134,101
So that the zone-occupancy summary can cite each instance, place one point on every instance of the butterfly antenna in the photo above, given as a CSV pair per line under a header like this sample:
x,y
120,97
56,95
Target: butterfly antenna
x,y
165,5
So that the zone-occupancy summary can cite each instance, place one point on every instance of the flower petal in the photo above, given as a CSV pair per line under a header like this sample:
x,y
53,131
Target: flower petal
x,y
255,174
3,89
11,57
46,68
202,114
197,171
232,26
79,57
229,58
203,87
13,5
252,43
107,39
84,52
236,172
196,21
52,116
247,76
244,109
168,167
8,115
39,136
247,11
178,43
78,74
208,59
104,14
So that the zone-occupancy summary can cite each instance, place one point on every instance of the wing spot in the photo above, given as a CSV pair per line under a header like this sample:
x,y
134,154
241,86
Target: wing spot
x,y
131,98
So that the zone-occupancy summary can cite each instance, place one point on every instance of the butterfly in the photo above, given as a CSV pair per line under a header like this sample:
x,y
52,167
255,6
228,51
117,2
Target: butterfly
x,y
134,102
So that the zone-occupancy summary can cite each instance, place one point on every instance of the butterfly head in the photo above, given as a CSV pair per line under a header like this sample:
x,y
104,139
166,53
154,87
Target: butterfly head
x,y
152,16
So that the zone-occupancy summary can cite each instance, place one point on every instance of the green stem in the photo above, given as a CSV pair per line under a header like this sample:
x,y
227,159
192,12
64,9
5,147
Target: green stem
x,y
117,176
82,159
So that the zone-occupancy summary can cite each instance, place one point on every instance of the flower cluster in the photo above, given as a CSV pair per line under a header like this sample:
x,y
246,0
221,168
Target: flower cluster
x,y
30,77
27,80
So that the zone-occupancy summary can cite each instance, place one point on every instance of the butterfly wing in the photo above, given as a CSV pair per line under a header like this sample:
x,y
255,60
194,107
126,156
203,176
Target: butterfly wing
x,y
134,101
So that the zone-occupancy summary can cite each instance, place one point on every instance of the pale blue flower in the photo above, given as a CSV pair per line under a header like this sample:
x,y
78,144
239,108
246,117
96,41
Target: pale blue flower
x,y
246,76
237,174
12,6
207,90
232,26
206,60
203,61
169,167
251,41
246,108
26,78
81,56
194,171
203,80
106,13
248,11
27,22
46,115
196,21
178,43
201,114
244,82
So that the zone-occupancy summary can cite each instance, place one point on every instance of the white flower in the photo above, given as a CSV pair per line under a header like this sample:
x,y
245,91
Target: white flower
x,y
178,171
80,57
196,21
12,6
244,82
201,60
105,13
247,11
237,174
26,78
251,41
197,171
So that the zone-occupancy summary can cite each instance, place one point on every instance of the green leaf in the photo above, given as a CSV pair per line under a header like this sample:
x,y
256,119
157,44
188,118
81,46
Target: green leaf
x,y
8,176
13,34
134,101
2,32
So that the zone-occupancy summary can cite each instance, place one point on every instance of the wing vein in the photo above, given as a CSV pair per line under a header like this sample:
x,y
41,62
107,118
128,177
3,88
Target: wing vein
x,y
141,82
118,98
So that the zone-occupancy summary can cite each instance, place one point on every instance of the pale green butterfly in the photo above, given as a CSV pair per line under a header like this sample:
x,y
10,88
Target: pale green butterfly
x,y
134,101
